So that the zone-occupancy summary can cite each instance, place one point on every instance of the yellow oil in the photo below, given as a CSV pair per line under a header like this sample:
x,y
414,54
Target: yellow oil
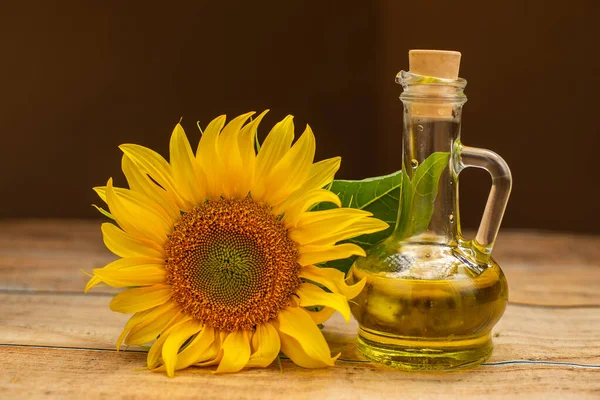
x,y
435,314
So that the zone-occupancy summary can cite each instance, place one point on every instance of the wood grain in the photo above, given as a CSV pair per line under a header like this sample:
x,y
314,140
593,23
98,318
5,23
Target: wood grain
x,y
56,342
542,268
48,255
524,333
60,373
550,268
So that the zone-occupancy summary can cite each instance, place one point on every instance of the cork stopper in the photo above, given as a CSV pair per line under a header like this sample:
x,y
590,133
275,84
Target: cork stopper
x,y
436,63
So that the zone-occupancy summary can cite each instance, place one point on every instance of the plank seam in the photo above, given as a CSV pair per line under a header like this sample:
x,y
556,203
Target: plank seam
x,y
55,293
488,364
550,363
39,346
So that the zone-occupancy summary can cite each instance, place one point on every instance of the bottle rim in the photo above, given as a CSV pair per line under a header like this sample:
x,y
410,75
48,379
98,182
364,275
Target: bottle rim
x,y
407,79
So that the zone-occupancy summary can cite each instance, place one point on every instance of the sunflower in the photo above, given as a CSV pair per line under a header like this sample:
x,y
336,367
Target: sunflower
x,y
219,249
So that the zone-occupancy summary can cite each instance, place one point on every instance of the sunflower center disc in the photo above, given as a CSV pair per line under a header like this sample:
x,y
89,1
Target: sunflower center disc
x,y
231,264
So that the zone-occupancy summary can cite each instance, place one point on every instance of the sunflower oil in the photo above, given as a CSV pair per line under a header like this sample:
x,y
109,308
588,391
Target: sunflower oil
x,y
427,308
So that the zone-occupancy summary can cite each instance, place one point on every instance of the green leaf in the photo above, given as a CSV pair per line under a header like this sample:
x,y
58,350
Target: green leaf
x,y
382,196
415,218
379,196
406,196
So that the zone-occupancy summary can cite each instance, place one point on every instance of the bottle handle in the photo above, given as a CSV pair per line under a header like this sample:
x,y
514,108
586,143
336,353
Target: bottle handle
x,y
495,165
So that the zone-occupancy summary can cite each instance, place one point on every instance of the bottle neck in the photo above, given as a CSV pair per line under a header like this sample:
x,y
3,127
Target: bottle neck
x,y
428,209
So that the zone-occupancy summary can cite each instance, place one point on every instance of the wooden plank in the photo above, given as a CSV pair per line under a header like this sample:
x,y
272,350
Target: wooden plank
x,y
524,333
39,271
51,234
34,373
547,248
59,320
48,255
542,268
563,285
550,268
48,271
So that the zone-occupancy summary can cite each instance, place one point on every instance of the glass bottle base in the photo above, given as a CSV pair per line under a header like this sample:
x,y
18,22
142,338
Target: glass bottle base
x,y
424,354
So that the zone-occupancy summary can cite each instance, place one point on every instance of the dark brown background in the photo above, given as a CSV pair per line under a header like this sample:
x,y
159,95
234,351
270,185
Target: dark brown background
x,y
80,78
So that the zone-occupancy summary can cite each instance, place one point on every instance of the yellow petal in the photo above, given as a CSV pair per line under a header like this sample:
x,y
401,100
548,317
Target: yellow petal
x,y
214,354
310,254
301,340
229,152
128,262
197,350
141,319
140,275
362,227
94,281
190,180
140,299
274,148
247,150
214,360
236,352
133,321
157,167
292,348
228,145
320,225
176,338
153,358
265,346
124,245
139,182
136,215
131,196
125,264
311,295
321,316
208,158
157,321
332,279
337,216
210,135
322,173
292,170
293,208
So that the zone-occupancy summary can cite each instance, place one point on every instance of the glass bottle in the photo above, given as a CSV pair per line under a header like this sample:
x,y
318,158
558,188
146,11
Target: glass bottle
x,y
432,296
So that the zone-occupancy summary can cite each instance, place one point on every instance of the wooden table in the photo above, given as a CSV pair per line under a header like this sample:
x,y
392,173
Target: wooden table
x,y
56,342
